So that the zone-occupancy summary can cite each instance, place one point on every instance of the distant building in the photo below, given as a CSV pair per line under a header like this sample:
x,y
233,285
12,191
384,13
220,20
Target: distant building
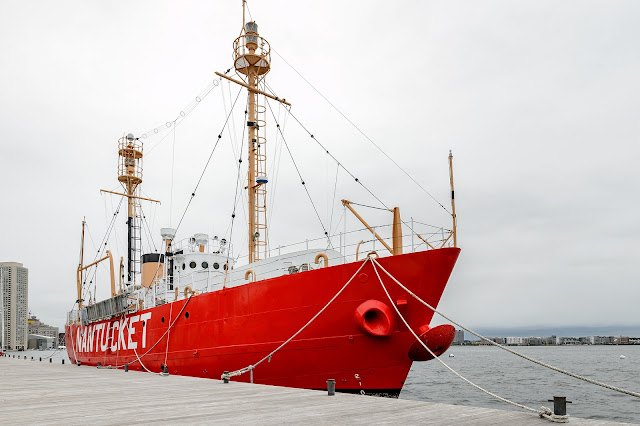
x,y
14,287
37,341
459,339
512,341
61,341
38,327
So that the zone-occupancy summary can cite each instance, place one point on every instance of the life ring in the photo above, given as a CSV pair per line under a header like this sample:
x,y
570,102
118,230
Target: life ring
x,y
323,256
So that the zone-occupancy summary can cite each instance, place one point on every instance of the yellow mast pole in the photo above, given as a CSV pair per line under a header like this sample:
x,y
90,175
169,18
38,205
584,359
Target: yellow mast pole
x,y
79,273
252,166
453,201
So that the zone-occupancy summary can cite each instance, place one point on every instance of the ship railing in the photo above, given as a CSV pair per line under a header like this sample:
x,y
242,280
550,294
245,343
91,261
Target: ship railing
x,y
241,48
212,245
354,244
73,317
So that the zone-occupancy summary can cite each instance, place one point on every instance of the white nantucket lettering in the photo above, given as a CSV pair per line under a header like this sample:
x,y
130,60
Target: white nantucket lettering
x,y
114,337
104,340
78,339
91,338
84,339
122,342
98,330
132,330
145,320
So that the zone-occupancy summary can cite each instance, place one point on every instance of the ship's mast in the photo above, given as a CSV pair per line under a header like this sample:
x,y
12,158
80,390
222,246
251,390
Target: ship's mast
x,y
252,59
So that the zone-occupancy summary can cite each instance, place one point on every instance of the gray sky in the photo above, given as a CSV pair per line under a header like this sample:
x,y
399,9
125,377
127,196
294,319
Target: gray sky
x,y
537,99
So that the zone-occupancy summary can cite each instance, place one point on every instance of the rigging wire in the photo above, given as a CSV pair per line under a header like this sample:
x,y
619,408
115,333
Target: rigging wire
x,y
103,244
149,233
182,115
336,160
173,162
299,174
193,194
362,133
235,197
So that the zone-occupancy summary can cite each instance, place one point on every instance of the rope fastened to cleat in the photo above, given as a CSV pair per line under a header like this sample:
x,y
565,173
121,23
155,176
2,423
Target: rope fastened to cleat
x,y
251,367
541,413
535,361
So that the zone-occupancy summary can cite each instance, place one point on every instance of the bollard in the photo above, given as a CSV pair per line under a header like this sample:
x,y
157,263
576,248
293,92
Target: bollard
x,y
25,357
40,359
165,370
126,368
63,362
99,365
560,405
50,360
331,387
78,363
226,377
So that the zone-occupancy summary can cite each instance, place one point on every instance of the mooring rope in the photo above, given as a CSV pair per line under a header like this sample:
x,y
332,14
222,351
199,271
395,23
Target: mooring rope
x,y
251,367
544,412
551,367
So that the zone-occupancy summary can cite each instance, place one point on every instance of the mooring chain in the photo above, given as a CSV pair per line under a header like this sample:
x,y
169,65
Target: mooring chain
x,y
551,367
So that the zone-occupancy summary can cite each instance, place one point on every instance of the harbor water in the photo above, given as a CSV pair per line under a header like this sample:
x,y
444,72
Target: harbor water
x,y
530,384
515,378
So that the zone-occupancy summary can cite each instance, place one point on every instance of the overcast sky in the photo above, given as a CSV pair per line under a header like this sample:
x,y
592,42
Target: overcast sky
x,y
538,100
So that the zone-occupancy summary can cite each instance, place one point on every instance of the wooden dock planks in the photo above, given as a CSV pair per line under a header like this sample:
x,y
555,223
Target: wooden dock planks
x,y
40,392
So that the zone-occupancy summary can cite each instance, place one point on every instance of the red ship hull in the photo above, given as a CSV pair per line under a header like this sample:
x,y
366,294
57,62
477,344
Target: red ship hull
x,y
233,328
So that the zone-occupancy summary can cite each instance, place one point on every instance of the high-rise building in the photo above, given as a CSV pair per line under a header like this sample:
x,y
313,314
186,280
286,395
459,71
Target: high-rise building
x,y
459,339
14,287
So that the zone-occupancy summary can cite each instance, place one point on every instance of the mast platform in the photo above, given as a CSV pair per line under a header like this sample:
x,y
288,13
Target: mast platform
x,y
40,392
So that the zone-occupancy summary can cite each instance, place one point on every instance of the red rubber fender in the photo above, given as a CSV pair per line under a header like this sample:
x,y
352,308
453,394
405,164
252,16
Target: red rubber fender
x,y
374,318
438,339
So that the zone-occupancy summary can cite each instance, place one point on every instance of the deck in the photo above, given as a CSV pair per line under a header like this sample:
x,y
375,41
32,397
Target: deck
x,y
43,392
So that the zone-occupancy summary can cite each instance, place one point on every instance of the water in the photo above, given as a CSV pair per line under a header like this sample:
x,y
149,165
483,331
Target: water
x,y
56,355
515,378
530,384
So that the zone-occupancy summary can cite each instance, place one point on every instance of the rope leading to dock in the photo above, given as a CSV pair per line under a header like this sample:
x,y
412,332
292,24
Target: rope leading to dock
x,y
250,368
535,361
544,412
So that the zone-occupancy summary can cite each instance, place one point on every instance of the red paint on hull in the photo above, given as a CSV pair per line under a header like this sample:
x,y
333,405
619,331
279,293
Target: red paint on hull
x,y
230,329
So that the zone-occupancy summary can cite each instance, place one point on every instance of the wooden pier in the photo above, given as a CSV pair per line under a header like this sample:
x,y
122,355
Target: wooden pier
x,y
52,393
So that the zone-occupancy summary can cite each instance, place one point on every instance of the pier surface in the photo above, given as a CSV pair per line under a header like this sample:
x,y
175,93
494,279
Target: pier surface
x,y
40,392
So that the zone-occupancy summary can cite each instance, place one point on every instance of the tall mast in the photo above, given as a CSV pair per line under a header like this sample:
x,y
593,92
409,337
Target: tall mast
x,y
130,176
253,60
453,202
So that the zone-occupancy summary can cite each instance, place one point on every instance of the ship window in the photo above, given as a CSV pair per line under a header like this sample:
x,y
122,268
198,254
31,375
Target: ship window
x,y
224,266
183,266
163,320
216,265
186,315
205,265
192,265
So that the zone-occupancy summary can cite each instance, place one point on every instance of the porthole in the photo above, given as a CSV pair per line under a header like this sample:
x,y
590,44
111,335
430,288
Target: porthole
x,y
186,315
192,265
224,266
205,265
183,266
163,320
216,265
